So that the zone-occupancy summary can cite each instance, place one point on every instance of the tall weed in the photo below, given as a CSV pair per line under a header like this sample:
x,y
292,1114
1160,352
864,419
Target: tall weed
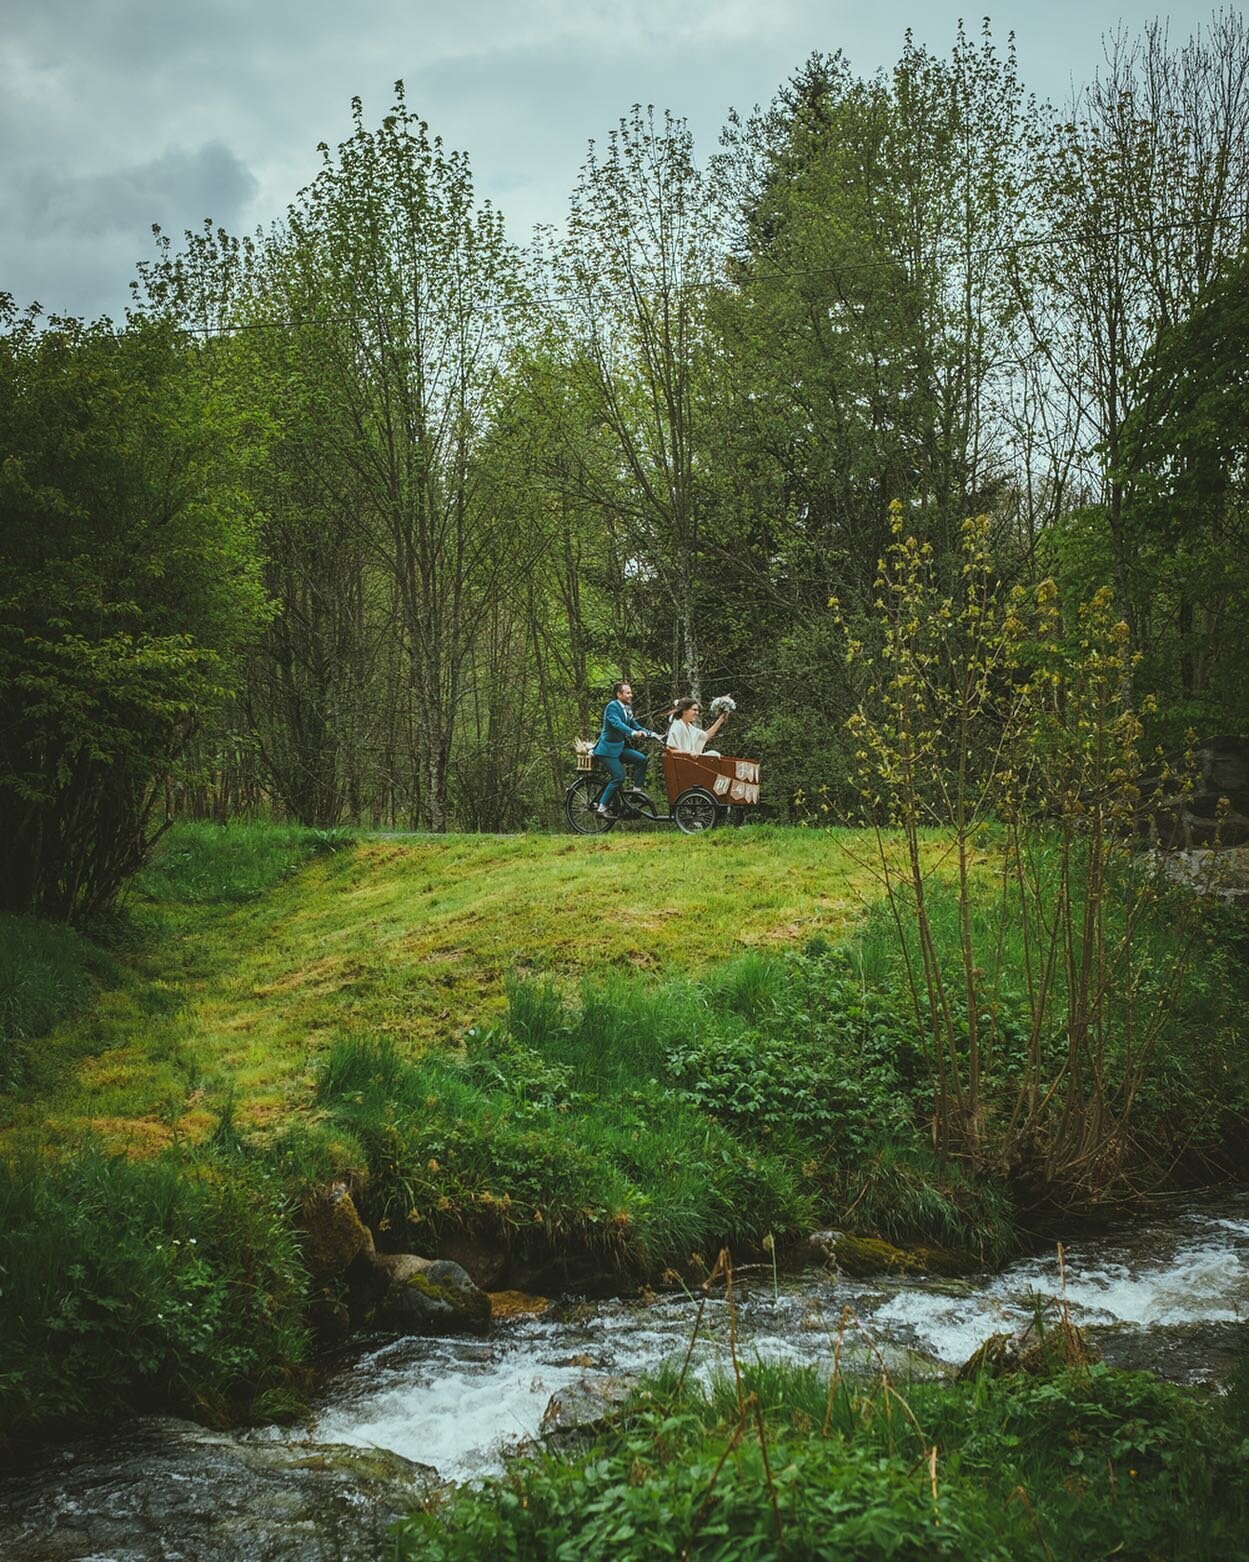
x,y
45,976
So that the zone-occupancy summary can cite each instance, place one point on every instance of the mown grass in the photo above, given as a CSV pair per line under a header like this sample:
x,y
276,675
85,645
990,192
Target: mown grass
x,y
238,971
1089,1463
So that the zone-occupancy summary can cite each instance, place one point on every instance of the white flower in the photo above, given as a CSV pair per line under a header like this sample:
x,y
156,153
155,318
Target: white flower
x,y
722,703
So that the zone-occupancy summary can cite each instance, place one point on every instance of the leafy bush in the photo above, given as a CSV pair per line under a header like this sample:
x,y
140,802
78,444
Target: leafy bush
x,y
1086,1464
646,1124
504,1145
136,1285
45,975
1192,1098
130,576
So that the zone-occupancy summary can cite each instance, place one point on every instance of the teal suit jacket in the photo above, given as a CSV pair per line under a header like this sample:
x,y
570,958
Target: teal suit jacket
x,y
618,729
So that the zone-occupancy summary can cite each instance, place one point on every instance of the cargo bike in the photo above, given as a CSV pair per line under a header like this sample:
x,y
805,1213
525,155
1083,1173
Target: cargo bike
x,y
703,790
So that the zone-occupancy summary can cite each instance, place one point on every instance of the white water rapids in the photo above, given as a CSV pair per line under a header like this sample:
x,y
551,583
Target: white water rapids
x,y
1158,1295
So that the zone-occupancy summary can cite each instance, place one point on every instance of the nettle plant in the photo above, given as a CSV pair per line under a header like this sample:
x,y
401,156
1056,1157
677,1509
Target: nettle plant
x,y
1001,770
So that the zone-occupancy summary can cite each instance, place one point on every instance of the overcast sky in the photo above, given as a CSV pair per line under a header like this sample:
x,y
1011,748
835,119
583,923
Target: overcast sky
x,y
117,114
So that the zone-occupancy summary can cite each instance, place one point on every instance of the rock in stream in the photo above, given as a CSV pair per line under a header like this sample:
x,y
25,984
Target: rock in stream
x,y
170,1491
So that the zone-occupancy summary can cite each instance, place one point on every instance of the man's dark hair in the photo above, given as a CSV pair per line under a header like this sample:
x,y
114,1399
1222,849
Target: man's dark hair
x,y
616,688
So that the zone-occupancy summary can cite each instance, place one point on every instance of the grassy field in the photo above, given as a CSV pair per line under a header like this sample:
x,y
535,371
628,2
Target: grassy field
x,y
249,952
598,1060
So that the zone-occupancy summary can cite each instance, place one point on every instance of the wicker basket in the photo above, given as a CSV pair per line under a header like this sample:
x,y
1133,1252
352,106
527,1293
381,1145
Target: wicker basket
x,y
584,750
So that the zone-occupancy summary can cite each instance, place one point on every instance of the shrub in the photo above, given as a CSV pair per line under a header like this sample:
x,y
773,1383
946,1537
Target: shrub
x,y
131,581
1089,1463
164,1284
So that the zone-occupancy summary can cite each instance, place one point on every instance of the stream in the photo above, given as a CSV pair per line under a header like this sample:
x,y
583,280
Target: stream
x,y
1169,1293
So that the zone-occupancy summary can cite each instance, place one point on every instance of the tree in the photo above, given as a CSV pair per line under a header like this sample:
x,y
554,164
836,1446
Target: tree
x,y
632,277
868,316
409,292
1185,452
129,580
1146,187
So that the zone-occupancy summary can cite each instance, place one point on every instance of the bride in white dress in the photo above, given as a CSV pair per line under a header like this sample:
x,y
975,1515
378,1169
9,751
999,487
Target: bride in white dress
x,y
684,733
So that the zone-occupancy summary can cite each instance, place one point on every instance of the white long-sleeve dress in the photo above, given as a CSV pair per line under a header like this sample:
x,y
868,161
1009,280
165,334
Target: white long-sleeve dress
x,y
684,735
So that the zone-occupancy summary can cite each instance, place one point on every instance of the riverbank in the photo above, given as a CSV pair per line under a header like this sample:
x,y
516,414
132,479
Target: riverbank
x,y
264,1025
398,1418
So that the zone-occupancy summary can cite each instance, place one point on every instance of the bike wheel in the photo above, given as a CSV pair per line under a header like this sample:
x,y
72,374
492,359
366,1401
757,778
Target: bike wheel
x,y
581,806
695,810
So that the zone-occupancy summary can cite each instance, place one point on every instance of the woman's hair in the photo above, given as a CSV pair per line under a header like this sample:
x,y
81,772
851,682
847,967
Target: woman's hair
x,y
681,706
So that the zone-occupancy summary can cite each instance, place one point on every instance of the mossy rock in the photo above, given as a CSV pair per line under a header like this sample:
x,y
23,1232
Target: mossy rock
x,y
951,1263
859,1256
332,1233
428,1296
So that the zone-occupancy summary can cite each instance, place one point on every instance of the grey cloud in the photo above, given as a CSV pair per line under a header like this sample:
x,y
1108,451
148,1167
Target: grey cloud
x,y
178,187
91,91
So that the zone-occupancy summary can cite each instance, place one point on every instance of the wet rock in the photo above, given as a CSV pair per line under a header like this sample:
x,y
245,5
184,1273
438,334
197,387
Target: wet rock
x,y
425,1295
580,1410
862,1255
952,1263
483,1260
332,1233
329,1318
1037,1350
168,1489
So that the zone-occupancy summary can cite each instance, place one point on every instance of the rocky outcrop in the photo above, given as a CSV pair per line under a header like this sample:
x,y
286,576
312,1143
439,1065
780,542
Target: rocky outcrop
x,y
860,1256
1037,1350
332,1233
1210,804
356,1286
417,1295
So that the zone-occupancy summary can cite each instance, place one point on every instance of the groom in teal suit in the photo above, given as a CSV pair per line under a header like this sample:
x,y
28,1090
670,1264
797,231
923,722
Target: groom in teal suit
x,y
619,730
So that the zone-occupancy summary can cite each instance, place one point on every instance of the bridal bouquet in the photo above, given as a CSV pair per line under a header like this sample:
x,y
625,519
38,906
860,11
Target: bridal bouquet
x,y
722,703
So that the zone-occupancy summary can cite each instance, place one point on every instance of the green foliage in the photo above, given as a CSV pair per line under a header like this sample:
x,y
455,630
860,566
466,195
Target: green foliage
x,y
1083,1464
505,1145
1191,1101
1184,459
647,1123
168,1284
1010,719
213,864
128,581
45,975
